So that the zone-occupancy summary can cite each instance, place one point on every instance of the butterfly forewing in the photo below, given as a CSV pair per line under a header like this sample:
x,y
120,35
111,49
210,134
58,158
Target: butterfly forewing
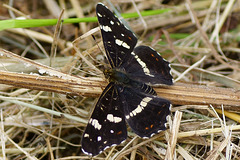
x,y
106,127
147,66
118,41
146,114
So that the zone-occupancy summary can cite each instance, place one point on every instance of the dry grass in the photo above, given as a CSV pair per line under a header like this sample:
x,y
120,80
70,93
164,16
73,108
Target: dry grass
x,y
42,118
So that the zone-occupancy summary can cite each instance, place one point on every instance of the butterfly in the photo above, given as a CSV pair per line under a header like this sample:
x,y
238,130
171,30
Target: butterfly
x,y
128,97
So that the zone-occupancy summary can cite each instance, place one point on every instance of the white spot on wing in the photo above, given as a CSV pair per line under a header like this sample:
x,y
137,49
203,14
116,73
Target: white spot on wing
x,y
111,118
112,23
99,138
143,65
86,135
118,42
106,29
99,15
121,43
125,45
95,123
139,108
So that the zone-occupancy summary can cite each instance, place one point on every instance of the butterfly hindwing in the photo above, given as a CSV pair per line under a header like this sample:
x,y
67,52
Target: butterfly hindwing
x,y
147,66
106,127
118,41
146,114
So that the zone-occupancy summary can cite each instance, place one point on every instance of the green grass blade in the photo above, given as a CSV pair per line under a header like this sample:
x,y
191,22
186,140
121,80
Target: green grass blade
x,y
27,23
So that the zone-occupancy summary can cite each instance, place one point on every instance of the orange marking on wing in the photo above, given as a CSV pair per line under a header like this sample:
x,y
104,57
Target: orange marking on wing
x,y
120,132
146,128
151,126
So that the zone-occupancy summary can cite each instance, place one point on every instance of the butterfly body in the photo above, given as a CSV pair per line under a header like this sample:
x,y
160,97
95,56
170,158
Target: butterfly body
x,y
128,97
117,76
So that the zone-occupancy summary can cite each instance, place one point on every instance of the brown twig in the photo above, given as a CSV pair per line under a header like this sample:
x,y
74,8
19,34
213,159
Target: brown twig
x,y
179,93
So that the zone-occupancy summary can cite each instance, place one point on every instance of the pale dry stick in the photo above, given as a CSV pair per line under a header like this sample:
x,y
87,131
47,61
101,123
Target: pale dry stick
x,y
159,21
19,98
10,12
204,132
117,155
59,135
184,153
232,49
50,148
141,18
190,68
110,153
86,34
212,136
173,136
56,36
216,68
62,4
15,10
205,37
225,80
216,115
217,35
229,146
52,7
36,35
223,18
171,46
134,152
184,107
80,14
188,41
177,74
208,15
45,110
161,151
17,151
215,153
225,132
3,138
